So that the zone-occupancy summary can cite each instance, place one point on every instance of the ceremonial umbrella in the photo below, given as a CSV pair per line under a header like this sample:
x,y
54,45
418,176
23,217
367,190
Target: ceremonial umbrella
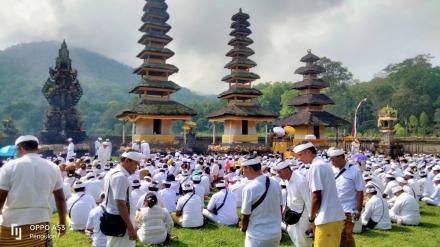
x,y
8,151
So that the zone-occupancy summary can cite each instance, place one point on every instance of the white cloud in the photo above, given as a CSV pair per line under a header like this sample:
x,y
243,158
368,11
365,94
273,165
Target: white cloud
x,y
364,35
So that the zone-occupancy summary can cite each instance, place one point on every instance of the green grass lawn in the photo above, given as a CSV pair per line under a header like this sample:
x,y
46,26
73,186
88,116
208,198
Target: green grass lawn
x,y
427,234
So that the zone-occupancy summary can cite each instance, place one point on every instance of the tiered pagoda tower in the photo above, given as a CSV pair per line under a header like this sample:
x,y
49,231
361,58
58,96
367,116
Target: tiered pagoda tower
x,y
311,118
63,91
154,114
242,112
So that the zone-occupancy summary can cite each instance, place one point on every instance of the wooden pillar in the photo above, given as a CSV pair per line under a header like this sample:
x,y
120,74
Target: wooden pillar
x,y
133,131
213,132
337,137
123,132
265,134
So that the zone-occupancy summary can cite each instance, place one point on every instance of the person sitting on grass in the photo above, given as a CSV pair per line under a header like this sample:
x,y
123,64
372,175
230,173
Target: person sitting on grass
x,y
79,207
189,208
222,207
376,214
406,209
93,225
155,222
434,199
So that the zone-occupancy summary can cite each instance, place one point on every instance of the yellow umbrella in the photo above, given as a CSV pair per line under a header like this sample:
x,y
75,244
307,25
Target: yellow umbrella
x,y
289,130
190,123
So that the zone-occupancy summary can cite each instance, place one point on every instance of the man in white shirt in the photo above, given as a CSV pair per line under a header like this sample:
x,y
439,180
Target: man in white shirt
x,y
199,189
350,187
98,145
93,186
326,211
189,208
376,214
79,207
93,225
145,149
117,189
136,146
434,199
222,207
104,153
26,184
136,192
426,185
70,149
298,200
261,207
406,209
168,196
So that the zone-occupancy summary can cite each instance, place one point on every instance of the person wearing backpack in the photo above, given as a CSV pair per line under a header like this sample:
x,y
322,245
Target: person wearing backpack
x,y
222,207
261,207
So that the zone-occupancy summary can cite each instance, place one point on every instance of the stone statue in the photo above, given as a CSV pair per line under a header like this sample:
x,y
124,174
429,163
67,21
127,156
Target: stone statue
x,y
63,92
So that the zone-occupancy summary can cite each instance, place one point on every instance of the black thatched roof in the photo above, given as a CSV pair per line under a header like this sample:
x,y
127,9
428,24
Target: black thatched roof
x,y
149,36
241,61
167,53
241,90
154,23
245,41
309,58
248,76
312,118
240,16
316,83
245,51
239,24
155,12
159,4
310,69
150,107
312,99
155,84
162,66
242,30
242,111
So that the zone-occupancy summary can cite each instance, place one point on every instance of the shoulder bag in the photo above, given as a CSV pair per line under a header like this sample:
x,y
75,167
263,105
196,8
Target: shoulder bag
x,y
113,224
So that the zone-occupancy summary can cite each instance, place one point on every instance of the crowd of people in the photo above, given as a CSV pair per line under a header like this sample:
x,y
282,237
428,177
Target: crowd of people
x,y
318,197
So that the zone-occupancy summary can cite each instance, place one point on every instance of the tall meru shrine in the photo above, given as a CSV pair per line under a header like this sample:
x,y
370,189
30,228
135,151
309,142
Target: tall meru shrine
x,y
154,114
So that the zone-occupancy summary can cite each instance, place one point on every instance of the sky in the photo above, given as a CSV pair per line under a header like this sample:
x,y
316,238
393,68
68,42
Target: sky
x,y
365,35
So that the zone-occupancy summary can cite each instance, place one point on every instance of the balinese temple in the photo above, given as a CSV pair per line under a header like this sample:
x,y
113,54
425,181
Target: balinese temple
x,y
154,113
242,112
311,119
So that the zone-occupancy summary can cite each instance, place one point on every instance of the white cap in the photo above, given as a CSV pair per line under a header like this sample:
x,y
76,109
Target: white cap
x,y
136,156
301,147
78,185
99,138
250,162
435,168
69,139
389,175
436,178
105,143
196,178
187,186
166,182
185,173
280,165
397,189
90,175
333,152
401,180
26,138
220,185
370,188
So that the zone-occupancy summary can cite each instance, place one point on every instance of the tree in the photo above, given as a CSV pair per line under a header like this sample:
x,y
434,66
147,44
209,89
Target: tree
x,y
285,98
413,124
335,73
423,123
400,130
